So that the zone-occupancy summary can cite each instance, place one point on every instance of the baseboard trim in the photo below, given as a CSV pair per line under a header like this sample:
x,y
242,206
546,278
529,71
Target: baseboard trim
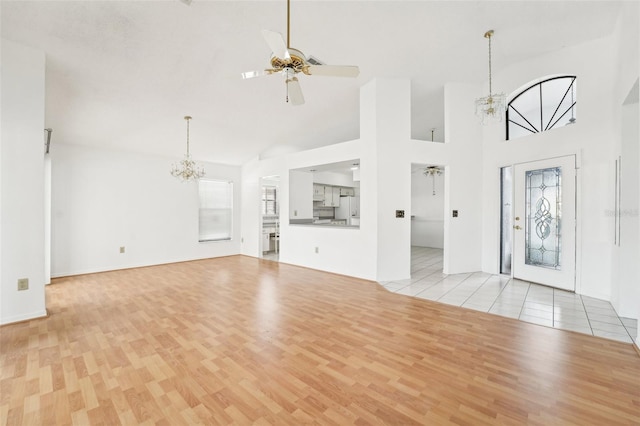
x,y
25,318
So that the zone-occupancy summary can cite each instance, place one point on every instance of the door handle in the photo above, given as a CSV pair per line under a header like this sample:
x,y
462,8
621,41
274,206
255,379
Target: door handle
x,y
517,227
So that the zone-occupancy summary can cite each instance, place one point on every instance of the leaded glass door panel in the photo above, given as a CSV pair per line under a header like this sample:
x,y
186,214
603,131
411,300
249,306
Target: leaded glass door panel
x,y
544,222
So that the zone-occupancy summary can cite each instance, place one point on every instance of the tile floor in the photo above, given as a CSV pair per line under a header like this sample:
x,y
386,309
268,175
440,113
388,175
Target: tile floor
x,y
271,255
502,295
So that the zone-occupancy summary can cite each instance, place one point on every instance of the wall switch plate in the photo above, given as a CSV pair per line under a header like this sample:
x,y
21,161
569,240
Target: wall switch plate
x,y
23,284
122,249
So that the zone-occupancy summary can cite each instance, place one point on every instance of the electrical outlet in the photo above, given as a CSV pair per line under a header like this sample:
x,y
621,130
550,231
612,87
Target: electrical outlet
x,y
295,212
317,250
122,249
23,284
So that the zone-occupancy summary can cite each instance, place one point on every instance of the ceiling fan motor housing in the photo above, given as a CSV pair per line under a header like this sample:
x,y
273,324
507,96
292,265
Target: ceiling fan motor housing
x,y
297,63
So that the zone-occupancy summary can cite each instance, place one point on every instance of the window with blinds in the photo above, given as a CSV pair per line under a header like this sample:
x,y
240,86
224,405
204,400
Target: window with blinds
x,y
216,210
269,200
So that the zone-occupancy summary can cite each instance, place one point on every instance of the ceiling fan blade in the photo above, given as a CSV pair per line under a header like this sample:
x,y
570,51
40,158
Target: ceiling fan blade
x,y
254,74
334,70
294,91
276,44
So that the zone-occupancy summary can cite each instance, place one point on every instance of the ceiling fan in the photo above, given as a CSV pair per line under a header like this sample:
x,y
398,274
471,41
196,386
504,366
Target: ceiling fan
x,y
288,61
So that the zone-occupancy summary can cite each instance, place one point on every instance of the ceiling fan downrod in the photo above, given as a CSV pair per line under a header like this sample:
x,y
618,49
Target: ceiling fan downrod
x,y
288,24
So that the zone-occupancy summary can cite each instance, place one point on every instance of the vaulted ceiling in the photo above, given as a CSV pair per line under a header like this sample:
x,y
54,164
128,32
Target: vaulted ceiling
x,y
122,74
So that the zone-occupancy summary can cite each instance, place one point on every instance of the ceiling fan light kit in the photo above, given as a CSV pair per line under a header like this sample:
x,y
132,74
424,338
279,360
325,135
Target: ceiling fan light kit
x,y
433,171
288,61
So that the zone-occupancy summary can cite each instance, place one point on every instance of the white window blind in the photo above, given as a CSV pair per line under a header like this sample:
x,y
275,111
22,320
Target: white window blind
x,y
216,210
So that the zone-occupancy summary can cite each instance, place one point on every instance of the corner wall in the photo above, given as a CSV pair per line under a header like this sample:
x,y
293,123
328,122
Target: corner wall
x,y
106,199
22,179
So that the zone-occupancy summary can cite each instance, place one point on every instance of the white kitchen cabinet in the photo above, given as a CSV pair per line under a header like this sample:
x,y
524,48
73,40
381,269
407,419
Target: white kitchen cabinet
x,y
348,192
300,195
335,191
318,192
331,196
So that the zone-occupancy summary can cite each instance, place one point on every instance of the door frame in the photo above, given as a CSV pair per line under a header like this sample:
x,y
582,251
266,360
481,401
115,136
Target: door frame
x,y
578,208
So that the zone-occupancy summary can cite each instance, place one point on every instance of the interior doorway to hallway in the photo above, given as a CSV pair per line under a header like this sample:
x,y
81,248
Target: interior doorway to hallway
x,y
427,216
270,218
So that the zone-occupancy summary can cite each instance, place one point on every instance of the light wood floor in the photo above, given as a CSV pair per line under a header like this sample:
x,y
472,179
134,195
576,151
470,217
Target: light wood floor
x,y
239,340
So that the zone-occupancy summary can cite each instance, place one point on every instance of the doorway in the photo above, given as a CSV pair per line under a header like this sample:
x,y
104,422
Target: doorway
x,y
543,222
270,218
427,218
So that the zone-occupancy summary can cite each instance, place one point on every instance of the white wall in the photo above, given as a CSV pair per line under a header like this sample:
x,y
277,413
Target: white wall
x,y
332,178
626,271
625,275
392,111
22,178
104,199
463,180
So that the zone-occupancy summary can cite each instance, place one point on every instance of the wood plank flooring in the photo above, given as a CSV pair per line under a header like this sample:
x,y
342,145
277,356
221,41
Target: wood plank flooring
x,y
239,340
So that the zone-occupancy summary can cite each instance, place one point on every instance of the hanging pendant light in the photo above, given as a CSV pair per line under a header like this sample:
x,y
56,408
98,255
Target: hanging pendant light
x,y
572,120
187,169
490,107
433,171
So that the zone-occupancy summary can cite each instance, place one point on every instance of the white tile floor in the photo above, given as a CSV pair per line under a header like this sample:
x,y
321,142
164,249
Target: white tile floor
x,y
272,255
501,295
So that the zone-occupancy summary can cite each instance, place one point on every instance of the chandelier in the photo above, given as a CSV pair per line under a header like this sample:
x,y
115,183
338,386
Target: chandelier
x,y
433,171
492,106
187,169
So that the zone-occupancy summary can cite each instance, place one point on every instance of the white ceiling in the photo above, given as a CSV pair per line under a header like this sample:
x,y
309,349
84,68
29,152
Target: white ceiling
x,y
123,74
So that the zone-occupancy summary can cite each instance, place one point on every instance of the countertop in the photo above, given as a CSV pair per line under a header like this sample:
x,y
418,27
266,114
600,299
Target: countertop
x,y
310,222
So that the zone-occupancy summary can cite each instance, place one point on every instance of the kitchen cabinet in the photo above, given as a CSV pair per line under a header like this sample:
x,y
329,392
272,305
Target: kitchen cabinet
x,y
318,192
348,192
300,195
331,196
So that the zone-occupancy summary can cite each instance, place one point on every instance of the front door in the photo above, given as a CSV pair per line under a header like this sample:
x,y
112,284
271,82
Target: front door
x,y
544,225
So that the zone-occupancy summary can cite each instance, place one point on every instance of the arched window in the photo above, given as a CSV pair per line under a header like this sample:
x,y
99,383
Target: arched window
x,y
542,106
